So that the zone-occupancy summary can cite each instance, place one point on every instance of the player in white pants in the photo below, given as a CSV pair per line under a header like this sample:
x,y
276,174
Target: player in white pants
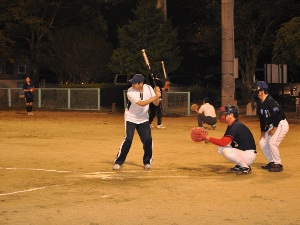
x,y
273,125
237,145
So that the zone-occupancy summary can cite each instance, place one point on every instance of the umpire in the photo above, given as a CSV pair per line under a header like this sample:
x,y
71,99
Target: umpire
x,y
273,126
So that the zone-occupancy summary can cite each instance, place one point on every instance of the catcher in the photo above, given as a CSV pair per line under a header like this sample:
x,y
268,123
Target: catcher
x,y
206,113
237,145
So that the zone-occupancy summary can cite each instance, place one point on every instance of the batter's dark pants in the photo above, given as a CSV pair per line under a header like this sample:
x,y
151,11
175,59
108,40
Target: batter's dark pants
x,y
206,119
155,110
144,132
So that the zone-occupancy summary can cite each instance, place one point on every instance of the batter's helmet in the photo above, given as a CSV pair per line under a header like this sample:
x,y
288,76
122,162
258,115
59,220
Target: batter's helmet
x,y
231,109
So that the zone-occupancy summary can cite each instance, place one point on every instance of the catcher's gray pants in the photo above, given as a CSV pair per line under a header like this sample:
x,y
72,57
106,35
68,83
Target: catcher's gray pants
x,y
144,132
206,119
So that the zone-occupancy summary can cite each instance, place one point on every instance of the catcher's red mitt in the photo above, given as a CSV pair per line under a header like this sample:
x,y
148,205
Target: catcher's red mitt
x,y
198,134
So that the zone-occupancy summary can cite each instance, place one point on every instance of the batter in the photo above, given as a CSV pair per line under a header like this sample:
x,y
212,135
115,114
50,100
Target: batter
x,y
139,96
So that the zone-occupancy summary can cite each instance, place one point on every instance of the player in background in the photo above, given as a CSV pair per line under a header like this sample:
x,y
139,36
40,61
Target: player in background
x,y
237,145
136,116
207,114
273,127
157,110
28,89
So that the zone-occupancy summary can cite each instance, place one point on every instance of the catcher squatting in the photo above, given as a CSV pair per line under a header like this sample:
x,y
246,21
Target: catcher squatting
x,y
237,145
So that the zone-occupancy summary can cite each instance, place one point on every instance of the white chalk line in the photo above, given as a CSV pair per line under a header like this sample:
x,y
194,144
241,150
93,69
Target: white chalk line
x,y
27,190
35,169
102,175
118,176
31,169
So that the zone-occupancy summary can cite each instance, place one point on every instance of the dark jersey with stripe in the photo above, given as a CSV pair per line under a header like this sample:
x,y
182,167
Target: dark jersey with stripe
x,y
242,137
269,113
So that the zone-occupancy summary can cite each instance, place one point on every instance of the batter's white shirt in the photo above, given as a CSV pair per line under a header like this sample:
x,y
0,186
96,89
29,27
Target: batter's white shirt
x,y
138,114
208,110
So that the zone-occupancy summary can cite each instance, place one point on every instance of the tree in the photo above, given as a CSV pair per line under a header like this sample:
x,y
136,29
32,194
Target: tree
x,y
148,31
28,24
6,53
287,45
199,33
255,25
78,55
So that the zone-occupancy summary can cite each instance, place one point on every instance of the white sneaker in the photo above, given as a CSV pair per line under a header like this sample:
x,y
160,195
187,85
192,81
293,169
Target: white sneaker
x,y
116,167
161,126
147,167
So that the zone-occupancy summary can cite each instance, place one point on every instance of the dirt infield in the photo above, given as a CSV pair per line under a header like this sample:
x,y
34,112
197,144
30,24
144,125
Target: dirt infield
x,y
56,168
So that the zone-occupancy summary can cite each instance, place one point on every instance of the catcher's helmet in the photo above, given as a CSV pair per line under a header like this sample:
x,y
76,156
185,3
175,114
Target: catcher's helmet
x,y
231,109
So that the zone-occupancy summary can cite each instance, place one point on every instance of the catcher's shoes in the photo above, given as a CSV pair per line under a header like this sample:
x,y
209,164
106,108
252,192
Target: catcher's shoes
x,y
147,167
276,168
268,166
116,167
244,171
235,169
161,126
213,127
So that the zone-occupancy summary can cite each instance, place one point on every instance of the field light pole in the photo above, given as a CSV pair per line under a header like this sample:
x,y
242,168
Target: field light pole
x,y
228,53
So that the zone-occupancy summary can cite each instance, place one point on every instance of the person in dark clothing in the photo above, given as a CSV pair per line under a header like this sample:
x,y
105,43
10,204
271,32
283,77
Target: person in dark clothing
x,y
157,110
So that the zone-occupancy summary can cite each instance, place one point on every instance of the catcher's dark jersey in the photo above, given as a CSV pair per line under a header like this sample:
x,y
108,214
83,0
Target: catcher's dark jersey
x,y
242,136
269,113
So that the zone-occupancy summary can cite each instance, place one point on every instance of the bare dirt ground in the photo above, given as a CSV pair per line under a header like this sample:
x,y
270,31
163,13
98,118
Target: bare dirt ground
x,y
56,168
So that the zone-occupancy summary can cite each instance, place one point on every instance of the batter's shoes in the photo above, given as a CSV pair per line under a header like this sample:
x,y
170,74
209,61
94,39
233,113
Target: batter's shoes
x,y
147,167
116,167
276,168
161,126
268,166
235,169
244,171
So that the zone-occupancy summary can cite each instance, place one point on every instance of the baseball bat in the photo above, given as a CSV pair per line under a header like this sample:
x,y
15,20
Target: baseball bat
x,y
164,70
148,65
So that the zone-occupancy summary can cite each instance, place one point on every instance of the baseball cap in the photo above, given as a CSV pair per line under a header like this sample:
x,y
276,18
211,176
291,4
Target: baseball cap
x,y
137,78
261,85
206,99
